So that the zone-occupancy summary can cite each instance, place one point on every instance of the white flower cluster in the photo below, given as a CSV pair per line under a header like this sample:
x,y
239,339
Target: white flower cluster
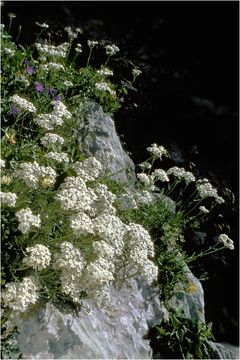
x,y
8,198
9,52
27,220
33,174
89,169
49,139
157,151
51,66
19,296
43,25
75,195
203,209
57,156
111,49
227,242
6,180
205,190
39,257
2,163
23,103
102,86
159,174
92,43
51,50
71,33
105,72
68,83
81,224
181,173
56,118
145,179
71,262
136,72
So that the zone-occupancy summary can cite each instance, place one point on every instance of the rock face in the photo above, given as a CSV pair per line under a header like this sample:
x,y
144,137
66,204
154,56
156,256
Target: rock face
x,y
190,298
99,138
115,331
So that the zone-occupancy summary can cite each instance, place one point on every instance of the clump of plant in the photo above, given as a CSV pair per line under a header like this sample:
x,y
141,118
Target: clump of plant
x,y
69,232
62,238
182,338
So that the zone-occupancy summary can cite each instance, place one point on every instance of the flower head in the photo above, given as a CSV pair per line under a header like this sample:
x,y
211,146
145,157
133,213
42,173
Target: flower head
x,y
39,87
227,242
31,70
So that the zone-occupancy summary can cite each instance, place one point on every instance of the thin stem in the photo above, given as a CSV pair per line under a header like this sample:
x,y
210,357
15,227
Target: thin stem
x,y
89,56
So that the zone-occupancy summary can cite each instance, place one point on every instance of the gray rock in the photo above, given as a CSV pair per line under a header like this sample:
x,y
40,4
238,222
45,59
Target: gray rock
x,y
224,350
115,331
98,137
190,299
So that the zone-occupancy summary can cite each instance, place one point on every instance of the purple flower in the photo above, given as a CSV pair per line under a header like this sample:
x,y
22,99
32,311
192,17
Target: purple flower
x,y
25,62
14,110
57,98
39,87
52,91
31,70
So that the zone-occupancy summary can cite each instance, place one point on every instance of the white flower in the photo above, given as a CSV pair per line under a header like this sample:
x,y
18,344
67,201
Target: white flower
x,y
19,296
43,25
104,87
8,198
98,273
92,43
9,52
50,139
39,257
111,49
23,103
81,224
57,156
227,242
205,190
145,179
2,163
136,72
90,169
157,151
203,209
105,72
181,173
27,220
51,66
33,174
51,50
160,174
68,83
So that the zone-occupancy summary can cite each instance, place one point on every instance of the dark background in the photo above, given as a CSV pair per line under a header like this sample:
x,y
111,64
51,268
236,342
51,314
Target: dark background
x,y
186,99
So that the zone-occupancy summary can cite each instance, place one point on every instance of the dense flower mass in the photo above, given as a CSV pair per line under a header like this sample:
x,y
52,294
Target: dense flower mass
x,y
49,139
19,296
23,103
8,198
57,156
33,174
27,220
39,257
51,50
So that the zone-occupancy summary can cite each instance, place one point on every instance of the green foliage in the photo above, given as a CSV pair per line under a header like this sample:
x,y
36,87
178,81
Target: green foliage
x,y
184,338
